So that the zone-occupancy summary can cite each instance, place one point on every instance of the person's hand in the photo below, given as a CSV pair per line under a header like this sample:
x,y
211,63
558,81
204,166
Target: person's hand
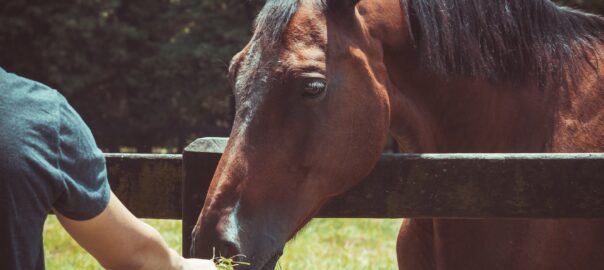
x,y
198,264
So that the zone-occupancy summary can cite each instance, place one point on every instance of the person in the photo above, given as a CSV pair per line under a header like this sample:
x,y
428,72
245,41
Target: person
x,y
50,161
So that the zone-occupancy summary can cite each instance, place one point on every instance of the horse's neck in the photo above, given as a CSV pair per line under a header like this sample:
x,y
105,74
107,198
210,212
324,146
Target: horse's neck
x,y
431,114
580,118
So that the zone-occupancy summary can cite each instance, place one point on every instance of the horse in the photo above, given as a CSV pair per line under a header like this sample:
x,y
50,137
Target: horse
x,y
322,83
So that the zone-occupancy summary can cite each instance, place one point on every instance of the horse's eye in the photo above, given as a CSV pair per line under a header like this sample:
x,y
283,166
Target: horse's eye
x,y
313,88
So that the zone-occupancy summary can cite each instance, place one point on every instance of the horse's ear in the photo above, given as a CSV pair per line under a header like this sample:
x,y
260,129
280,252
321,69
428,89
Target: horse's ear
x,y
342,6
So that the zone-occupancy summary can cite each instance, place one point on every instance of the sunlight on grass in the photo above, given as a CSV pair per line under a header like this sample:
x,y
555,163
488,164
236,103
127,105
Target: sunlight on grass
x,y
323,244
343,244
61,251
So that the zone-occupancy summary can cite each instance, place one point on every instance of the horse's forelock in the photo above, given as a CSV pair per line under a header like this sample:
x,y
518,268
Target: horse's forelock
x,y
273,19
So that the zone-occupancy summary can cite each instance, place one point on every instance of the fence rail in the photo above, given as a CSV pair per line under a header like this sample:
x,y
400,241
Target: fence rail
x,y
401,185
149,185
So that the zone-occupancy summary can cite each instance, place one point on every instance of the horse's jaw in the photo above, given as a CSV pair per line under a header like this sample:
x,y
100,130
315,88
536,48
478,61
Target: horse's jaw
x,y
268,263
272,262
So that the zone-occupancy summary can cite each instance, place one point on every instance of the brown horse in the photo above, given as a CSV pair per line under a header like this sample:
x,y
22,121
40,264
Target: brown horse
x,y
322,83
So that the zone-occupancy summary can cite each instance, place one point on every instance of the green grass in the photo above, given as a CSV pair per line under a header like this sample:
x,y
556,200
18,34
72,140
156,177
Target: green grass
x,y
343,244
323,244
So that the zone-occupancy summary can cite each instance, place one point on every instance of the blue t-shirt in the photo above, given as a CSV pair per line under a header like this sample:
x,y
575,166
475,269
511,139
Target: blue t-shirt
x,y
48,159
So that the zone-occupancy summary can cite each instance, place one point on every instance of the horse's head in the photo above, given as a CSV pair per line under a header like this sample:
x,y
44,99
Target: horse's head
x,y
313,113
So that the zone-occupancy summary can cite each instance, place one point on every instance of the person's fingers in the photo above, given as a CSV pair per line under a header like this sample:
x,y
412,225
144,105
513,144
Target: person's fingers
x,y
198,264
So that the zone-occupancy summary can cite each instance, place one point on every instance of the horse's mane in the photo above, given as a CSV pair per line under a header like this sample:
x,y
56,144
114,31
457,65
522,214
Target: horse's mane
x,y
498,40
511,40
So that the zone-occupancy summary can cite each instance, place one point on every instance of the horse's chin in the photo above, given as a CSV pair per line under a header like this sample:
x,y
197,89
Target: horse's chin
x,y
269,264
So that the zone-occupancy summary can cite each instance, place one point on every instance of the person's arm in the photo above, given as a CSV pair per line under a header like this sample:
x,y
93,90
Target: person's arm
x,y
118,240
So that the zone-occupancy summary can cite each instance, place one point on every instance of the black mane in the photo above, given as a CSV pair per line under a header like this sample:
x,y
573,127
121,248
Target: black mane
x,y
511,40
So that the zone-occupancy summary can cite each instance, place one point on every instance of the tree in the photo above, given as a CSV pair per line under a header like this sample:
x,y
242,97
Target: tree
x,y
141,73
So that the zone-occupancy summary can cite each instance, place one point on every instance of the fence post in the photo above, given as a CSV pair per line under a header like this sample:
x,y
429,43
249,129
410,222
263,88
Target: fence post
x,y
200,159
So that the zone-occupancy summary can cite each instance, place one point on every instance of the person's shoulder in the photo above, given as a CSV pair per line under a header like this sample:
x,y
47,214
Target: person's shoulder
x,y
30,115
18,91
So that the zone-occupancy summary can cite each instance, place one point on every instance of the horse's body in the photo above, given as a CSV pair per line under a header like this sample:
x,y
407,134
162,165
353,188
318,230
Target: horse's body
x,y
440,76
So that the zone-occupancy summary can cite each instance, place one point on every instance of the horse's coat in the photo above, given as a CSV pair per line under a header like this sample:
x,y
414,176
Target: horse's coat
x,y
440,76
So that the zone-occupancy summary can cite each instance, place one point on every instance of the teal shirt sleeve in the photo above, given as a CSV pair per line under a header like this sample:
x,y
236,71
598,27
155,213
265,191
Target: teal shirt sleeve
x,y
81,167
48,159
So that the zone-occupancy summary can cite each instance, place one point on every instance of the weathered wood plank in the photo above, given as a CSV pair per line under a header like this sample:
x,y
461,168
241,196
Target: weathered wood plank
x,y
149,185
468,185
461,185
478,186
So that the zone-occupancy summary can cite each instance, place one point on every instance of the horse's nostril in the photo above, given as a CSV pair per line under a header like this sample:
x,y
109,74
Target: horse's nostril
x,y
227,249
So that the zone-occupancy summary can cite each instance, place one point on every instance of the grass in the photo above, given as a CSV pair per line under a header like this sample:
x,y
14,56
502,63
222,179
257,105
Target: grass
x,y
323,244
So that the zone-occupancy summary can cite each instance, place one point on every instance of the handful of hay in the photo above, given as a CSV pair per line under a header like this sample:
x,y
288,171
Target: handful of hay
x,y
223,263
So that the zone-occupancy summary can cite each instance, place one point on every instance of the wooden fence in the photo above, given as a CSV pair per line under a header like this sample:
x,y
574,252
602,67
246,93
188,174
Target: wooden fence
x,y
401,185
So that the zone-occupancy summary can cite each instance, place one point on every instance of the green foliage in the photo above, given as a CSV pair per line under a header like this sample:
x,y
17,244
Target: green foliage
x,y
141,73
